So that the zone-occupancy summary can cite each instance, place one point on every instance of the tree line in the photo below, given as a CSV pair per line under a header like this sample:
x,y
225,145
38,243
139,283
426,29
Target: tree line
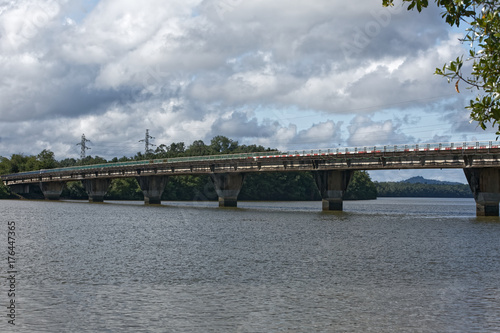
x,y
401,189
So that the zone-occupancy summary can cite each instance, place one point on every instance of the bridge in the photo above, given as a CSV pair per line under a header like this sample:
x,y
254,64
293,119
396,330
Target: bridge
x,y
332,169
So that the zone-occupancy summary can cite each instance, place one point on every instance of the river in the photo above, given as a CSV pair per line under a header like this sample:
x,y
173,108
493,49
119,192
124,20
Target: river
x,y
387,265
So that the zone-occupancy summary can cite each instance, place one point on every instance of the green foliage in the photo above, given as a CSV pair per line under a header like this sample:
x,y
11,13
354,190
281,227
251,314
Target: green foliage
x,y
223,145
186,188
198,148
89,160
20,163
46,160
67,162
124,189
483,37
279,186
393,189
5,192
74,190
361,187
5,166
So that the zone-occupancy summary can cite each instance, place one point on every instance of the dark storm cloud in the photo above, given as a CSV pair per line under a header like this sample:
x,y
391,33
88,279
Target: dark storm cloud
x,y
63,101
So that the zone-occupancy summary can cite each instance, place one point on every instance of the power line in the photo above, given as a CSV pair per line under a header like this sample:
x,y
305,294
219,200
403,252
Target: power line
x,y
146,143
83,144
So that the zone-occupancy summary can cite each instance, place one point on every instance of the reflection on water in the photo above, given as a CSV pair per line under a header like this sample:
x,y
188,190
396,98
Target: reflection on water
x,y
389,265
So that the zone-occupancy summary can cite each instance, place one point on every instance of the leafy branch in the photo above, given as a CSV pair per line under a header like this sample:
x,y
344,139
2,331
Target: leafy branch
x,y
483,37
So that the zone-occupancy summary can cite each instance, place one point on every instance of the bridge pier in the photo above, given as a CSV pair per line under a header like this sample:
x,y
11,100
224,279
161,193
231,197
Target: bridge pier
x,y
96,188
227,186
52,190
152,187
485,185
332,185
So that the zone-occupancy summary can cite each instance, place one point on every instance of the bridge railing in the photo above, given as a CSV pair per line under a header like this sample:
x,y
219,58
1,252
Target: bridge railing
x,y
421,147
389,149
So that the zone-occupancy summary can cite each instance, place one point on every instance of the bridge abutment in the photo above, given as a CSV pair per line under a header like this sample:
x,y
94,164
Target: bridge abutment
x,y
152,187
52,190
96,188
332,185
227,186
485,185
20,188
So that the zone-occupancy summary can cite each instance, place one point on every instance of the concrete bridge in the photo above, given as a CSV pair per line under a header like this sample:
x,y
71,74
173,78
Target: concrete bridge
x,y
332,169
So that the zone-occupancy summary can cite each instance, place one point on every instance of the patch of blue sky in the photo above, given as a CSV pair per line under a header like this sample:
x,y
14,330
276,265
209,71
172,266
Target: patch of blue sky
x,y
78,10
450,175
195,12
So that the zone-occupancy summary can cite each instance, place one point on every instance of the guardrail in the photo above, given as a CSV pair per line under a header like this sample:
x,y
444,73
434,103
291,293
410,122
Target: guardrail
x,y
462,146
399,148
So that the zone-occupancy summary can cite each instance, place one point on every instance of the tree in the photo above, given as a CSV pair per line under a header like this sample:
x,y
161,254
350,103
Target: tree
x,y
74,190
5,192
67,162
361,187
251,149
124,188
197,148
5,166
483,37
177,149
161,151
223,145
295,186
21,163
89,160
46,160
403,189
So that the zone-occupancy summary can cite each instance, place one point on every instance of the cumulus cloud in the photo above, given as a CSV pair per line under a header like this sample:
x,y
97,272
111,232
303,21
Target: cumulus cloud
x,y
364,131
324,134
194,69
237,124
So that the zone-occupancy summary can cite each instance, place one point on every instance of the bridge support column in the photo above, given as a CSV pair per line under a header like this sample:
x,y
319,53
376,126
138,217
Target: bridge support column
x,y
96,188
152,187
485,185
52,190
332,185
227,186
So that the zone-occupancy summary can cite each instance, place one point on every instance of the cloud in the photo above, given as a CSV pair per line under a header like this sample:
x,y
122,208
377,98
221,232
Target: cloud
x,y
125,50
237,124
325,134
363,131
194,69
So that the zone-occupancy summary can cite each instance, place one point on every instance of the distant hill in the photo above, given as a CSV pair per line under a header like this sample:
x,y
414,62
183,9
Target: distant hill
x,y
421,187
422,180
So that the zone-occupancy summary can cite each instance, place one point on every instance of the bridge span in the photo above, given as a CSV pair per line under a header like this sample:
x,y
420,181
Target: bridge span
x,y
332,169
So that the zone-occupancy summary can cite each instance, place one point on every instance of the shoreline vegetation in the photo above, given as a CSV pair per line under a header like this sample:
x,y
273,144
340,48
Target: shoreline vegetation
x,y
284,186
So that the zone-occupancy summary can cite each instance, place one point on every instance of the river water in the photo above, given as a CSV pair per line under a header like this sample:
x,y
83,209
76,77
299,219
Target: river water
x,y
388,265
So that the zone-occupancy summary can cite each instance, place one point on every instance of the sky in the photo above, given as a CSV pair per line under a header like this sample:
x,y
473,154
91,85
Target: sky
x,y
282,74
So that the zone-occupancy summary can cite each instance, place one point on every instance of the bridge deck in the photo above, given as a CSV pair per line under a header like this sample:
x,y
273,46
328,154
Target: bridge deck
x,y
427,156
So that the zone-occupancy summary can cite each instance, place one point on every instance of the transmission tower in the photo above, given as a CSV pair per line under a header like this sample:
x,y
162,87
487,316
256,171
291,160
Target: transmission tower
x,y
146,143
83,143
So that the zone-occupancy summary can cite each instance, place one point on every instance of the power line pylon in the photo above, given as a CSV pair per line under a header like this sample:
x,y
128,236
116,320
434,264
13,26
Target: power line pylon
x,y
146,143
83,143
